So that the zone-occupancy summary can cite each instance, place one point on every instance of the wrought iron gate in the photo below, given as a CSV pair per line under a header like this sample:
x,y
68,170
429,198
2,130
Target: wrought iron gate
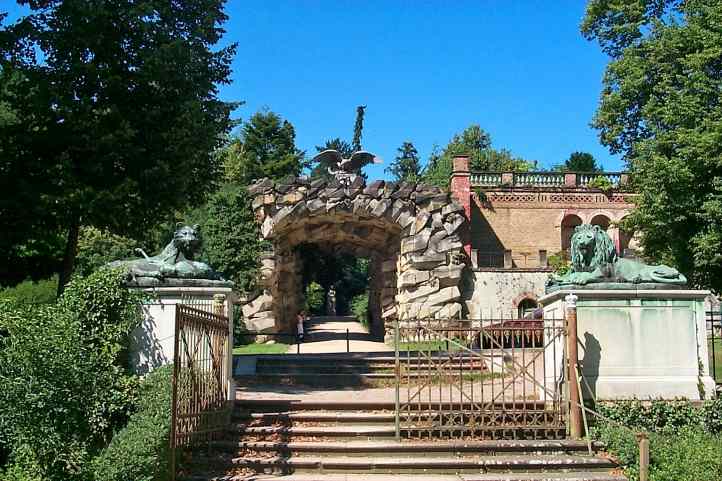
x,y
201,410
488,379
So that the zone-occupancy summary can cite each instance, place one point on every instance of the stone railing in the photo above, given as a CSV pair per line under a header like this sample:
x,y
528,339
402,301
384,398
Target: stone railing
x,y
539,179
544,179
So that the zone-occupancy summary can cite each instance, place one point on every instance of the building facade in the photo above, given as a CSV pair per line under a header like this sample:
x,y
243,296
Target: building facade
x,y
520,221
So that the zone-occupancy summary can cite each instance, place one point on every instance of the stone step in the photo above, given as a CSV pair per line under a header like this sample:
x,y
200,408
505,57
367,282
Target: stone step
x,y
326,431
271,404
344,417
406,447
481,463
546,476
522,431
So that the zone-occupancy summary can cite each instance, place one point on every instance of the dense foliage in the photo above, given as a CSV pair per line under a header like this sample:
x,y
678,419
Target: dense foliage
x,y
32,292
141,451
114,117
406,167
232,240
579,162
65,385
476,143
97,247
265,148
661,108
360,308
315,299
685,441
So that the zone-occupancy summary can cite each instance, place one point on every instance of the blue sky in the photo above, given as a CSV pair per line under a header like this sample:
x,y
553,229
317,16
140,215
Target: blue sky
x,y
425,70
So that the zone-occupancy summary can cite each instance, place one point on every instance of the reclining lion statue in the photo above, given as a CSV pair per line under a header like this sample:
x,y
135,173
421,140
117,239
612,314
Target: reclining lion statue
x,y
595,260
176,261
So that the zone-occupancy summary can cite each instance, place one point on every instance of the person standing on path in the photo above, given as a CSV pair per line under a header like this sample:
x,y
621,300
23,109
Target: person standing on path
x,y
300,317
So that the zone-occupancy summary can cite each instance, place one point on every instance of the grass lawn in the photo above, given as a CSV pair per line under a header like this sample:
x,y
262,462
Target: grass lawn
x,y
278,348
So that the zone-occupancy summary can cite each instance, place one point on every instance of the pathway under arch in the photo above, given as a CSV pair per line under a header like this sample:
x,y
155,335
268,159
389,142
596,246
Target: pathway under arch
x,y
411,233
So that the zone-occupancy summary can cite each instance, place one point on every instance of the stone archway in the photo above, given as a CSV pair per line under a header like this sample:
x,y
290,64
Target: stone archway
x,y
411,233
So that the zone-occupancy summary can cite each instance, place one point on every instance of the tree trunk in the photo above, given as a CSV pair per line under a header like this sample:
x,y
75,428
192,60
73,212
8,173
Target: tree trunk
x,y
71,250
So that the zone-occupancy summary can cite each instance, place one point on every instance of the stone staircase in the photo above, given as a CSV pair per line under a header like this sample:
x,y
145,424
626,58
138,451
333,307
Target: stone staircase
x,y
330,370
354,441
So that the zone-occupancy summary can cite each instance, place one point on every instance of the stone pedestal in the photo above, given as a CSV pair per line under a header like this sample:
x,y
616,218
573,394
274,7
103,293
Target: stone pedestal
x,y
152,343
639,343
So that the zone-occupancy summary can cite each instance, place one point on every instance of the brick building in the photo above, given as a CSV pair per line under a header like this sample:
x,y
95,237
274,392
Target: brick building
x,y
520,219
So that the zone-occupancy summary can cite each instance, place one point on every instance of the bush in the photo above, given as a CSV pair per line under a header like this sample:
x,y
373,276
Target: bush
x,y
315,298
32,292
65,389
560,263
141,451
98,247
360,308
685,441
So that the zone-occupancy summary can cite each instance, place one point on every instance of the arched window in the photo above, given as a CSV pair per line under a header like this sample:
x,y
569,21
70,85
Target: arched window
x,y
568,225
526,306
600,220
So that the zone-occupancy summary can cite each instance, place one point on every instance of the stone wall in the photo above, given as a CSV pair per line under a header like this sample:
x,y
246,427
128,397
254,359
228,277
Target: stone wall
x,y
411,232
498,292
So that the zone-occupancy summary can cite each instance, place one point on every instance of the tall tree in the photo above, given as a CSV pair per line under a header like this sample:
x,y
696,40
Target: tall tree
x,y
265,148
320,169
579,162
358,128
406,166
475,142
661,108
117,113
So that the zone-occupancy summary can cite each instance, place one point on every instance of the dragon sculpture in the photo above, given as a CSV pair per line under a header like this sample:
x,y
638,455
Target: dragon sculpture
x,y
595,260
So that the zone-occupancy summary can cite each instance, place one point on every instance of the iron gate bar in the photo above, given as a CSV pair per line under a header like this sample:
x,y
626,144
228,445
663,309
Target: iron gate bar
x,y
201,410
502,410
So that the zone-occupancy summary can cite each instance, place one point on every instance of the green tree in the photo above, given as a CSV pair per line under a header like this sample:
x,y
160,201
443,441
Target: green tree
x,y
476,143
358,128
661,108
406,166
232,241
98,247
117,115
579,162
320,169
265,148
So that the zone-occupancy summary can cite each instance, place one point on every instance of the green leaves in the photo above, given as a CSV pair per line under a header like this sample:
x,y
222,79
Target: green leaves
x,y
406,167
65,387
660,106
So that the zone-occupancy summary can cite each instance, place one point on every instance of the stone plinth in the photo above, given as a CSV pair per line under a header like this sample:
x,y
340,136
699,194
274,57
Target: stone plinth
x,y
152,343
639,343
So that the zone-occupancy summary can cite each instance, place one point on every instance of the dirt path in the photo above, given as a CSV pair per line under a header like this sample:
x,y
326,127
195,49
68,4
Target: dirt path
x,y
329,334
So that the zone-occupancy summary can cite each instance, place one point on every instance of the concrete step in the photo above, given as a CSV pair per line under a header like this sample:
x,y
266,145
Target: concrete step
x,y
406,447
482,463
560,476
326,431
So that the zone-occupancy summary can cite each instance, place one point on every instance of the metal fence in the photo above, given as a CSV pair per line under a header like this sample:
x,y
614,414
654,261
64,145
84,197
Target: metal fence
x,y
201,410
714,344
485,379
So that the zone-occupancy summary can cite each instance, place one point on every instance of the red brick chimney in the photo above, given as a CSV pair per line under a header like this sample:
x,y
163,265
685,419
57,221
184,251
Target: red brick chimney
x,y
460,187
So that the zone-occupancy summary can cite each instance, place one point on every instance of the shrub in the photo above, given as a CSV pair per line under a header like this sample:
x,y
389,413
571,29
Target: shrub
x,y
32,292
314,298
141,451
602,183
64,388
97,247
360,308
685,441
560,263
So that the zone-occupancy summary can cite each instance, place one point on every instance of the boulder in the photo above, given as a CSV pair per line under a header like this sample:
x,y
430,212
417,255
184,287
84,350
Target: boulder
x,y
263,185
415,243
427,261
445,245
421,292
453,222
449,311
374,189
450,208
